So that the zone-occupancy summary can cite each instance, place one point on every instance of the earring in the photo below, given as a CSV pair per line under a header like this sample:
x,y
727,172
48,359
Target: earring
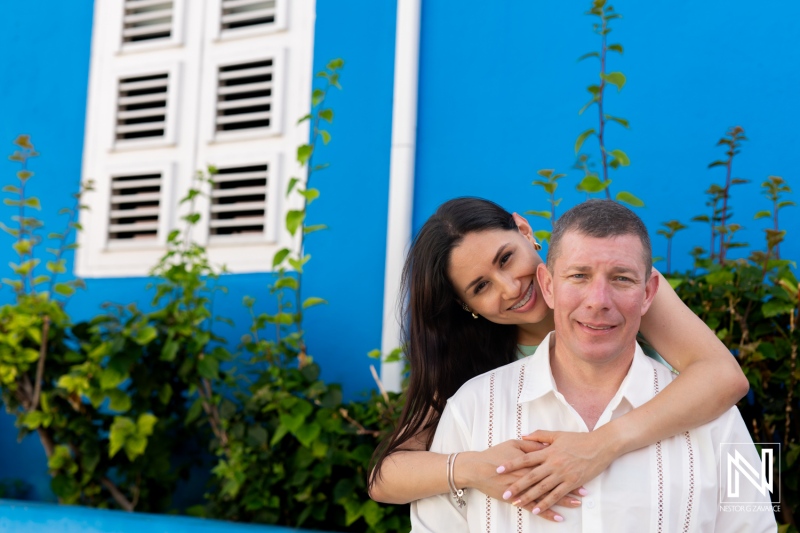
x,y
468,310
537,246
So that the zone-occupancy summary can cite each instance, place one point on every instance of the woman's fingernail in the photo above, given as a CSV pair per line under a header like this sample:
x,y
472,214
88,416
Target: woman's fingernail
x,y
575,502
558,518
506,494
536,511
501,469
583,492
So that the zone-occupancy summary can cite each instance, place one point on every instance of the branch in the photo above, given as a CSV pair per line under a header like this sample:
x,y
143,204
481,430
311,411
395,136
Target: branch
x,y
212,412
117,494
361,430
379,383
37,391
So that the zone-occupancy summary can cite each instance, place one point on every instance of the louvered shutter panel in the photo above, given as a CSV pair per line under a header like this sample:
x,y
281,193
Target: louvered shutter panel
x,y
247,13
239,200
135,204
147,20
244,96
142,107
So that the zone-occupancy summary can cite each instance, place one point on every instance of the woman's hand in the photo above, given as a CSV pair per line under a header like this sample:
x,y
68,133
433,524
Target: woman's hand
x,y
478,470
565,462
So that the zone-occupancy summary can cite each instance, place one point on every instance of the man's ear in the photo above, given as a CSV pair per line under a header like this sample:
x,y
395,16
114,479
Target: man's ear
x,y
650,290
545,284
524,227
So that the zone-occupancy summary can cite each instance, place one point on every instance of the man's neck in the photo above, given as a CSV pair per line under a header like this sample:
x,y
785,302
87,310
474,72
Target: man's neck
x,y
587,386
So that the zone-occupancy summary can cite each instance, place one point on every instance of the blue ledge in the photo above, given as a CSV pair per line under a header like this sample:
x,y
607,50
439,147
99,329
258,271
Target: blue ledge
x,y
31,517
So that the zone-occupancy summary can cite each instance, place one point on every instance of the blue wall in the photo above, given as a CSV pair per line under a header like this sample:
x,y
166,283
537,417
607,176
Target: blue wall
x,y
500,91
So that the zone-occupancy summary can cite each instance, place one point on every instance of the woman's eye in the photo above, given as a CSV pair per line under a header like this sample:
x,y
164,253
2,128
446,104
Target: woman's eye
x,y
479,287
505,258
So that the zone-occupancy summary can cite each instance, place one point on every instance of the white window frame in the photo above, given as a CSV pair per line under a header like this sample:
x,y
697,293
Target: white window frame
x,y
191,57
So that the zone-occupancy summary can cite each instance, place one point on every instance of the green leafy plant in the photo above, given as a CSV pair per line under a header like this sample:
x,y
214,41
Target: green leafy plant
x,y
549,184
670,229
591,182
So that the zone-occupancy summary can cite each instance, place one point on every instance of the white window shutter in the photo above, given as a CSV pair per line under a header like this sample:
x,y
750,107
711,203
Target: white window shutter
x,y
245,96
247,14
142,107
147,20
135,207
239,201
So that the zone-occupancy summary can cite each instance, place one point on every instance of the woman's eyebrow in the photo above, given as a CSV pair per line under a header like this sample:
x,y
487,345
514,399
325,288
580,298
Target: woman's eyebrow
x,y
494,262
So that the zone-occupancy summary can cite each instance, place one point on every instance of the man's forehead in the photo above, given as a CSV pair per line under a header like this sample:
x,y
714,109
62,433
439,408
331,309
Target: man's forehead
x,y
582,251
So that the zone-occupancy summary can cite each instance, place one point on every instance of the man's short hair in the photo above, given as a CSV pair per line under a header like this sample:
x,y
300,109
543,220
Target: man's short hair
x,y
600,219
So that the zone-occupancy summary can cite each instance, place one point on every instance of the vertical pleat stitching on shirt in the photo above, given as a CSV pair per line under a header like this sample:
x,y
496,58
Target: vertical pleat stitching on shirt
x,y
660,466
519,432
690,499
489,444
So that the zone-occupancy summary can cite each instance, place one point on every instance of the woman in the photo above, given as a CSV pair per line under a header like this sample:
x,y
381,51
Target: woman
x,y
474,305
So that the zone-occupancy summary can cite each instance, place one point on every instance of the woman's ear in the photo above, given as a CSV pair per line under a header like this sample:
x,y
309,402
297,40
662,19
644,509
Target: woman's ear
x,y
524,227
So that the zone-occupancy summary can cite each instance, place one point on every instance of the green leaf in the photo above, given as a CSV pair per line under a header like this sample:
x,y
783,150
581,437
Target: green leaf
x,y
294,218
592,184
581,138
279,256
313,228
310,194
64,289
317,97
762,214
326,114
169,351
542,235
628,198
310,302
621,157
615,78
374,354
165,394
307,433
12,189
118,400
111,377
615,48
208,367
792,454
786,203
292,183
543,214
587,56
145,424
326,137
336,64
304,153
32,202
145,335
372,512
287,282
122,428
587,105
621,121
777,307
304,118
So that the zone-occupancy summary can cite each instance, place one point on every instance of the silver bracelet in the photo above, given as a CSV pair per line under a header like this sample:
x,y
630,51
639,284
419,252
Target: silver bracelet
x,y
458,494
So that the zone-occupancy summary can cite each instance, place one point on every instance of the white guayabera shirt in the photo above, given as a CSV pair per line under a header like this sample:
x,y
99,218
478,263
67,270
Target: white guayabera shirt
x,y
671,486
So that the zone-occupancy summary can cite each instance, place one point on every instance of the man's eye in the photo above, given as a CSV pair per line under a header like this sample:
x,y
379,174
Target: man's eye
x,y
623,278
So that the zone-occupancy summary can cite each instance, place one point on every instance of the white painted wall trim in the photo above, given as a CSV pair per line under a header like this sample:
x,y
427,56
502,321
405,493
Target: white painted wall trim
x,y
401,179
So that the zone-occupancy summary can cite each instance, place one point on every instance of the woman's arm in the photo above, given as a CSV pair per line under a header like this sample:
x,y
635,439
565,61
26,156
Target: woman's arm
x,y
411,474
710,382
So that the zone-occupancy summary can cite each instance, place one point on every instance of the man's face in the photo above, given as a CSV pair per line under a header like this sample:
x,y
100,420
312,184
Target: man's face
x,y
598,294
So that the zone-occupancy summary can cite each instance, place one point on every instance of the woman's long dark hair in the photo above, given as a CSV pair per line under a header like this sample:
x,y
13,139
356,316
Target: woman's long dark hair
x,y
444,345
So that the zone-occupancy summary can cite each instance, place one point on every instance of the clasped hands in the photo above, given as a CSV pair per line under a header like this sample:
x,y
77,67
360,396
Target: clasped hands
x,y
544,469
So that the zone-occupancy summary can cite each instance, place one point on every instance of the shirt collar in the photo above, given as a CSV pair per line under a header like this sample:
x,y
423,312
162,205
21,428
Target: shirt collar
x,y
636,388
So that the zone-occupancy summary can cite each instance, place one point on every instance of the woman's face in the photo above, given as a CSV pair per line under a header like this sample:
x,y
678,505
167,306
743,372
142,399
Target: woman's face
x,y
494,273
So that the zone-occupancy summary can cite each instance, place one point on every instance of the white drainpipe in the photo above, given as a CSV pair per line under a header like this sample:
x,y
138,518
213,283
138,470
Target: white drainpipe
x,y
401,179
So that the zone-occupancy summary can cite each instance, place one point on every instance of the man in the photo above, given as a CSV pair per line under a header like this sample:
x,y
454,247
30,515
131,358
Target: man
x,y
589,371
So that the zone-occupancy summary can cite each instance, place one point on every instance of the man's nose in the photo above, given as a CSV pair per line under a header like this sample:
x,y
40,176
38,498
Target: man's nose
x,y
599,294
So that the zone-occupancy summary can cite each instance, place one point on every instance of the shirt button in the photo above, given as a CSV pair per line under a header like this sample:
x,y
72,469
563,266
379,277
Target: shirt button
x,y
588,503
